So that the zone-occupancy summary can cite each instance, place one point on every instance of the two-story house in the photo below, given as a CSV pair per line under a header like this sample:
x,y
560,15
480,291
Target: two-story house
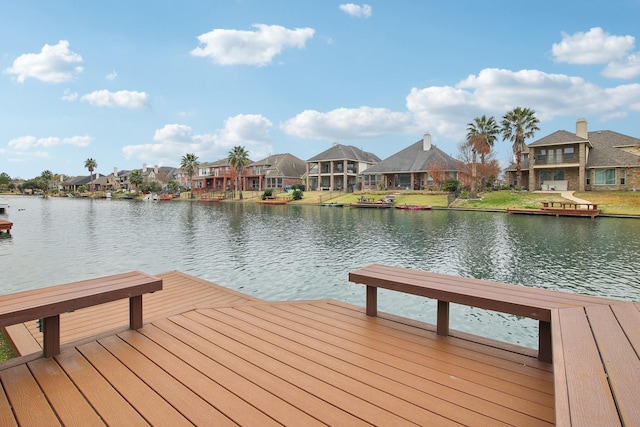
x,y
215,176
276,172
600,160
338,168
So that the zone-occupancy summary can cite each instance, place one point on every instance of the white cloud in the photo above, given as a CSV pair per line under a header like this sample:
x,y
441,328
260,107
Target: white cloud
x,y
360,11
444,111
54,64
112,75
447,109
599,47
69,96
28,142
173,141
346,123
627,68
233,47
121,98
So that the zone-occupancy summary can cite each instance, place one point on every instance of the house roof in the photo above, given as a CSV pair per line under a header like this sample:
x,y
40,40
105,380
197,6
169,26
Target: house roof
x,y
282,165
612,149
345,152
415,158
557,138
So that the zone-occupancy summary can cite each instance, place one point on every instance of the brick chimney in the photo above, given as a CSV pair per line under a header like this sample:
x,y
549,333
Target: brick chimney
x,y
581,128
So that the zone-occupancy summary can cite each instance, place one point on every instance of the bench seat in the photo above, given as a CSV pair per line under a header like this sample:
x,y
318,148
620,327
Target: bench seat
x,y
518,300
48,303
593,342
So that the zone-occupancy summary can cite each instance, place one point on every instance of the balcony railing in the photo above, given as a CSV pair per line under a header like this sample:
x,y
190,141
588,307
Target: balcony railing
x,y
544,160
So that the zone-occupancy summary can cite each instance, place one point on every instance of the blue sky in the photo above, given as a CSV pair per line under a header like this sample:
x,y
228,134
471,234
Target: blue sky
x,y
133,82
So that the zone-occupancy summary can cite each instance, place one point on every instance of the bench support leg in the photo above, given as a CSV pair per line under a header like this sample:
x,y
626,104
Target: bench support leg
x,y
372,301
51,338
545,352
442,324
135,312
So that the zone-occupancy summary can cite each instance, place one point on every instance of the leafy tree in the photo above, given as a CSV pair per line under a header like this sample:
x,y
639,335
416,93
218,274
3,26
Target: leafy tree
x,y
481,135
517,125
173,186
91,165
5,179
46,177
136,178
189,163
238,159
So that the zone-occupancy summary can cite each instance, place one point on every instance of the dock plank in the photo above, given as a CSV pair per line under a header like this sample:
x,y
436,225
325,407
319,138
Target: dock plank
x,y
29,404
388,363
68,403
103,397
171,390
140,396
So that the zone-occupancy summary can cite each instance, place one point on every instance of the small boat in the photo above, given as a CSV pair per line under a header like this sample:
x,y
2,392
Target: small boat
x,y
371,205
3,205
333,205
166,197
414,207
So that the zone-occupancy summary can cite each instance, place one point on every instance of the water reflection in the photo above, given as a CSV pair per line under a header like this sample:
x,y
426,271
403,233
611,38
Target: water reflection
x,y
305,252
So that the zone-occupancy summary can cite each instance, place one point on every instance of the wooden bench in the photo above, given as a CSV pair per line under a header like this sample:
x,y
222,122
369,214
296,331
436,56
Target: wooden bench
x,y
48,303
593,343
596,365
519,300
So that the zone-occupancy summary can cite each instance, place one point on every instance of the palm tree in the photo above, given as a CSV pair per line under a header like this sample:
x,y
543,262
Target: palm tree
x,y
91,165
481,136
189,163
238,159
46,177
136,178
517,125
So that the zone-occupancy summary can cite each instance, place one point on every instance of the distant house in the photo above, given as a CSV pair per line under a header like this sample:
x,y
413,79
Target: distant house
x,y
118,180
214,176
74,183
276,172
600,160
338,168
420,166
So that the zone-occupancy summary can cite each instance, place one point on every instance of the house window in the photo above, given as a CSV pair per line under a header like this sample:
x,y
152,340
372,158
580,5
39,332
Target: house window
x,y
568,154
541,155
429,180
605,176
623,176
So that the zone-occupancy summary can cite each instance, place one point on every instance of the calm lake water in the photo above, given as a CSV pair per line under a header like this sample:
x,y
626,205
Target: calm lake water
x,y
306,252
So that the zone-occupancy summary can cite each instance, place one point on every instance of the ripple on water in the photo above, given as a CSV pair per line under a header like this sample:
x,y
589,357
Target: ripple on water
x,y
306,252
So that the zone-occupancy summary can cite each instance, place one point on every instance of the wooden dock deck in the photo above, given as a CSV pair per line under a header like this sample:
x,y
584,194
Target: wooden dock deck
x,y
5,225
212,356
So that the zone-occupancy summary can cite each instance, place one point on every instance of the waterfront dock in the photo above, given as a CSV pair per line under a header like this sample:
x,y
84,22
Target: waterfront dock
x,y
5,225
208,355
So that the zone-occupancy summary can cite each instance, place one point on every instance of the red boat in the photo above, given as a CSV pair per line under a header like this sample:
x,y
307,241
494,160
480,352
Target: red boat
x,y
414,207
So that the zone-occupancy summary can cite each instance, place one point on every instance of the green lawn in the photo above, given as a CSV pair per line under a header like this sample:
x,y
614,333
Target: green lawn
x,y
508,199
613,202
6,352
610,202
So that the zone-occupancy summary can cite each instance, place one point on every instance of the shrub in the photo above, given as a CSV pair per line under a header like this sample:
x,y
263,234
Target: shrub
x,y
267,193
465,195
296,194
451,186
